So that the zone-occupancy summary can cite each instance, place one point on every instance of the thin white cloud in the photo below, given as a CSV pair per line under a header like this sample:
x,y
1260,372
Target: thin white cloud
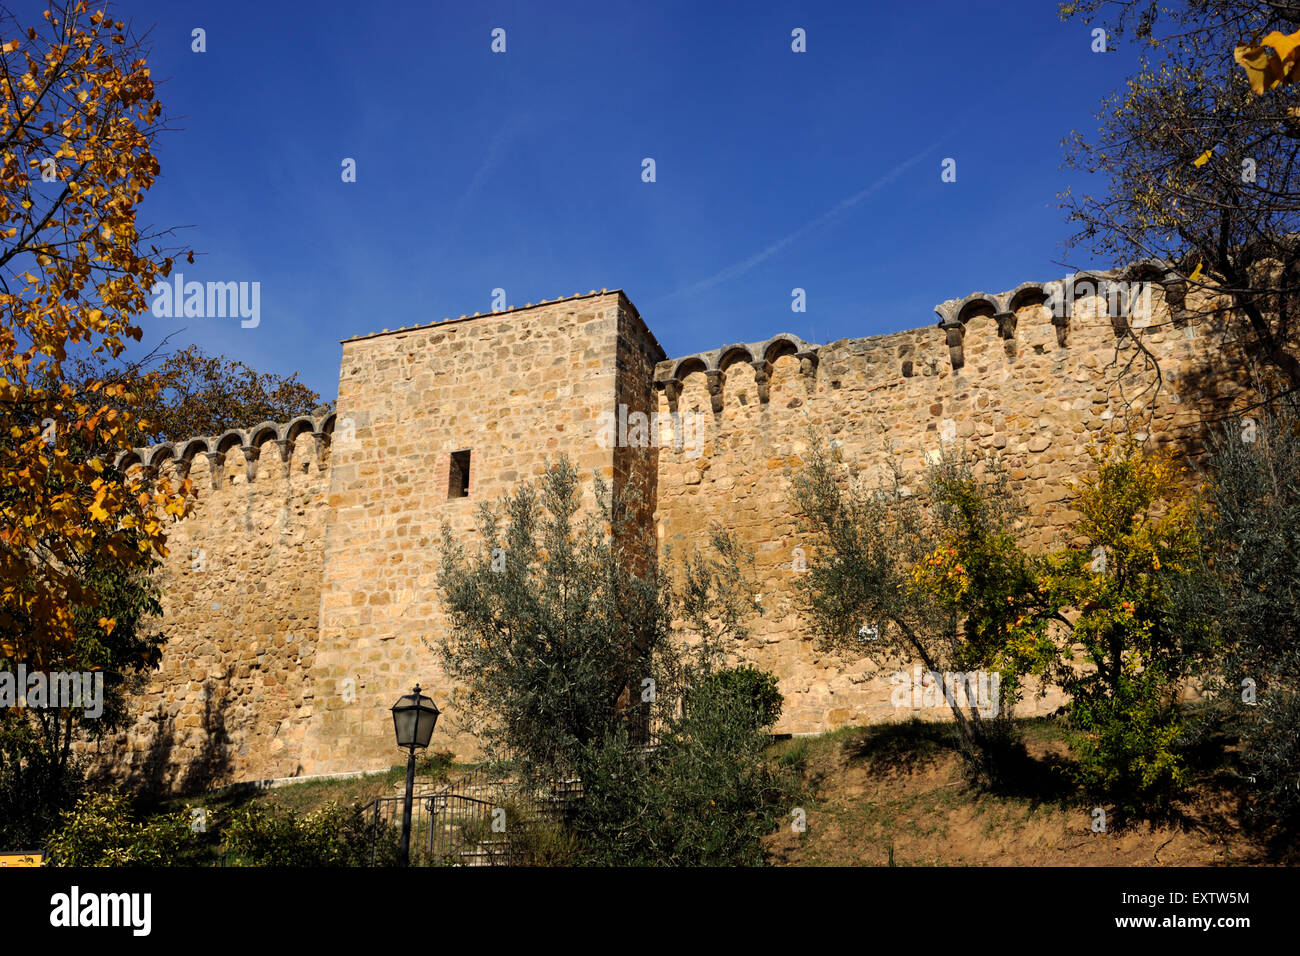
x,y
841,207
504,137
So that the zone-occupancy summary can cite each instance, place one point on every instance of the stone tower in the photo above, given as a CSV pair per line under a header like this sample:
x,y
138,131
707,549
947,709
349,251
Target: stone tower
x,y
432,421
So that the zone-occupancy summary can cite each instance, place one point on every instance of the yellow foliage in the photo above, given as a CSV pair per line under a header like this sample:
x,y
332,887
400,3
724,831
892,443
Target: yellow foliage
x,y
1271,63
81,96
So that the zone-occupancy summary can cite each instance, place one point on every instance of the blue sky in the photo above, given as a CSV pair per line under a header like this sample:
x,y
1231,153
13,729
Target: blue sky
x,y
523,170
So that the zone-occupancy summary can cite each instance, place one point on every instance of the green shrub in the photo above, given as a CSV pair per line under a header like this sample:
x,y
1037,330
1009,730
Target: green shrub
x,y
716,793
746,687
331,836
938,576
435,764
705,797
556,634
1249,584
101,831
34,788
1129,745
543,843
1136,514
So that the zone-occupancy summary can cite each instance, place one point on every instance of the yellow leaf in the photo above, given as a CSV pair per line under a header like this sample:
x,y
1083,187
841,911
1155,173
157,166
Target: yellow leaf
x,y
1196,272
1203,158
1271,63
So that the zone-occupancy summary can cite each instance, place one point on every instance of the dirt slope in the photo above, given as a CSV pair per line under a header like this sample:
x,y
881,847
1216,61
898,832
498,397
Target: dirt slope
x,y
899,795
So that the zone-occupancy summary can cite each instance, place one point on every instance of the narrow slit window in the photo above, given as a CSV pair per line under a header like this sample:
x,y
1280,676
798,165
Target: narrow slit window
x,y
458,486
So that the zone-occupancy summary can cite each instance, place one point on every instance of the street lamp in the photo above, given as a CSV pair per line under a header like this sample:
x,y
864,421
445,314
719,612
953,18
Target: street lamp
x,y
413,719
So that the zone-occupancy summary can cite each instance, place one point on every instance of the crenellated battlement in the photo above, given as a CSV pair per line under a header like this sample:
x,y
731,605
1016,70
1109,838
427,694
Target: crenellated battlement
x,y
249,441
1122,298
1126,291
1035,293
714,364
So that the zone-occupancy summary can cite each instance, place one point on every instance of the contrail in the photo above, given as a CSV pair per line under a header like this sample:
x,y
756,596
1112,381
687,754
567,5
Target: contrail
x,y
740,268
501,139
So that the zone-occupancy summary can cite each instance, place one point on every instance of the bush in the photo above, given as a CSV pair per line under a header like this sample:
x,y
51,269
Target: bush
x,y
328,837
34,789
100,831
1249,583
705,797
939,575
543,843
745,687
716,793
434,763
1138,525
550,627
558,629
1129,747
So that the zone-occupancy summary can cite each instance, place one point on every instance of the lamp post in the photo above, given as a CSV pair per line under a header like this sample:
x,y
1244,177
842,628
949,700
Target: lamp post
x,y
413,720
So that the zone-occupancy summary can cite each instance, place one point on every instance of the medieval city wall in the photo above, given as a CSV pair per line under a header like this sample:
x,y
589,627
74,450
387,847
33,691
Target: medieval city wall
x,y
1000,375
240,604
300,597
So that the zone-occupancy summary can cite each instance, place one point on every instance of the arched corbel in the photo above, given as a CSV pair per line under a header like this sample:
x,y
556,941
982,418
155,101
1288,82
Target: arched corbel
x,y
251,454
807,362
763,378
1062,323
286,449
1006,324
672,389
216,465
954,333
322,440
1007,331
716,379
1175,287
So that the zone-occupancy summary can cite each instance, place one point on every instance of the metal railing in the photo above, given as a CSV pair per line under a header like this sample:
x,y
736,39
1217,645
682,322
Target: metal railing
x,y
479,818
465,823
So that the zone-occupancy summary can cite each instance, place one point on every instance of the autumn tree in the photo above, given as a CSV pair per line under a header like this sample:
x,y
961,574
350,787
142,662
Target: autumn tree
x,y
78,123
1137,542
1200,172
938,573
931,573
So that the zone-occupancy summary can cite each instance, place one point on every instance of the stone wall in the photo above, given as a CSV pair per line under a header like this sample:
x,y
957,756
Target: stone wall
x,y
1010,381
241,600
315,606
